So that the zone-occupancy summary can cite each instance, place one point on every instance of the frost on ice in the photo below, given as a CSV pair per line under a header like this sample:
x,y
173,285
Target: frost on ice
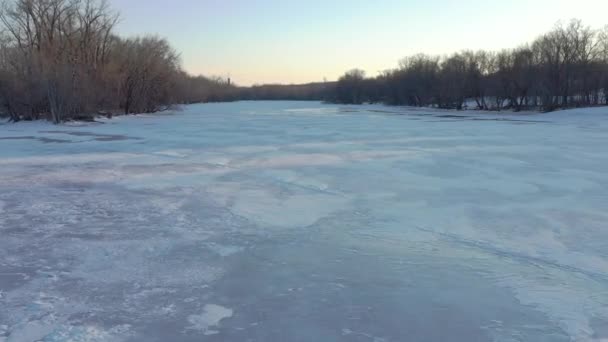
x,y
211,317
296,221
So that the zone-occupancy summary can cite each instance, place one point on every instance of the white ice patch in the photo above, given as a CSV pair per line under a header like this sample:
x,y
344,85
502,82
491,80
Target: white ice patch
x,y
269,208
562,302
174,153
292,160
250,149
210,318
290,177
68,159
224,250
300,210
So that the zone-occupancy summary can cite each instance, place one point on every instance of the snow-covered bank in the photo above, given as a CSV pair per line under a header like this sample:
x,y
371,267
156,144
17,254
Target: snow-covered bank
x,y
298,221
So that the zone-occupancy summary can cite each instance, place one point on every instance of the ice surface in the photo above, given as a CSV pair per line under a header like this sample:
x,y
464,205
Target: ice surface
x,y
211,317
299,221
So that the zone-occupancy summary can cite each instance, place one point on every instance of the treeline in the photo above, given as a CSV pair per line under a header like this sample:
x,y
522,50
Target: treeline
x,y
294,92
566,67
60,59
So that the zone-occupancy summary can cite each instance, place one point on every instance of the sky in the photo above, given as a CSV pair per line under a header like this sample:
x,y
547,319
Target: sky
x,y
285,41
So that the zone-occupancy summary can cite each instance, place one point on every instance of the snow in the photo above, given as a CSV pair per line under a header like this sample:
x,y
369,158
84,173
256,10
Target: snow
x,y
211,317
300,221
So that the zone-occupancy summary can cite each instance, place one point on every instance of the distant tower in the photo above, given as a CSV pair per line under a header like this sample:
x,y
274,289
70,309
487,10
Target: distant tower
x,y
228,80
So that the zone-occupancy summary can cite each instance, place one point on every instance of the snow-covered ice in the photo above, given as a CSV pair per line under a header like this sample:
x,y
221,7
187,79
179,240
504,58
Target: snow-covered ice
x,y
211,317
300,221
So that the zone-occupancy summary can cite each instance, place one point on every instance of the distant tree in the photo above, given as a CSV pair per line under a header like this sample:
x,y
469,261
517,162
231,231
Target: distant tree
x,y
453,82
601,65
350,87
416,80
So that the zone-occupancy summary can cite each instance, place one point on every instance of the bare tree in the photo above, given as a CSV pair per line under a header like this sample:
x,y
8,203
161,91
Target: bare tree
x,y
350,87
64,46
150,70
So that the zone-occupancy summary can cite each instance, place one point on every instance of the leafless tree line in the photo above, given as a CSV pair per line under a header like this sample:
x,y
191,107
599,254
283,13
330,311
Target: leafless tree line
x,y
198,89
566,67
60,59
293,92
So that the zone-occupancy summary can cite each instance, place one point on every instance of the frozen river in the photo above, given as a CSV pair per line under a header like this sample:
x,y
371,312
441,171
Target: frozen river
x,y
295,221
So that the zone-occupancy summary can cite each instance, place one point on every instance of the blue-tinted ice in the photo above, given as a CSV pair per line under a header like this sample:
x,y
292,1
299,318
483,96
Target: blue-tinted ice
x,y
296,221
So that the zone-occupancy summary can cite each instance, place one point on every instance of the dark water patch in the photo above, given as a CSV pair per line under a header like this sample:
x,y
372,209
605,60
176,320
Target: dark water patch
x,y
477,118
95,136
18,138
348,110
383,111
453,116
41,139
510,120
417,114
52,140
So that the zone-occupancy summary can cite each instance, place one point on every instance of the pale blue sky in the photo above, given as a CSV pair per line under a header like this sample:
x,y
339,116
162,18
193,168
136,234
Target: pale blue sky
x,y
262,41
